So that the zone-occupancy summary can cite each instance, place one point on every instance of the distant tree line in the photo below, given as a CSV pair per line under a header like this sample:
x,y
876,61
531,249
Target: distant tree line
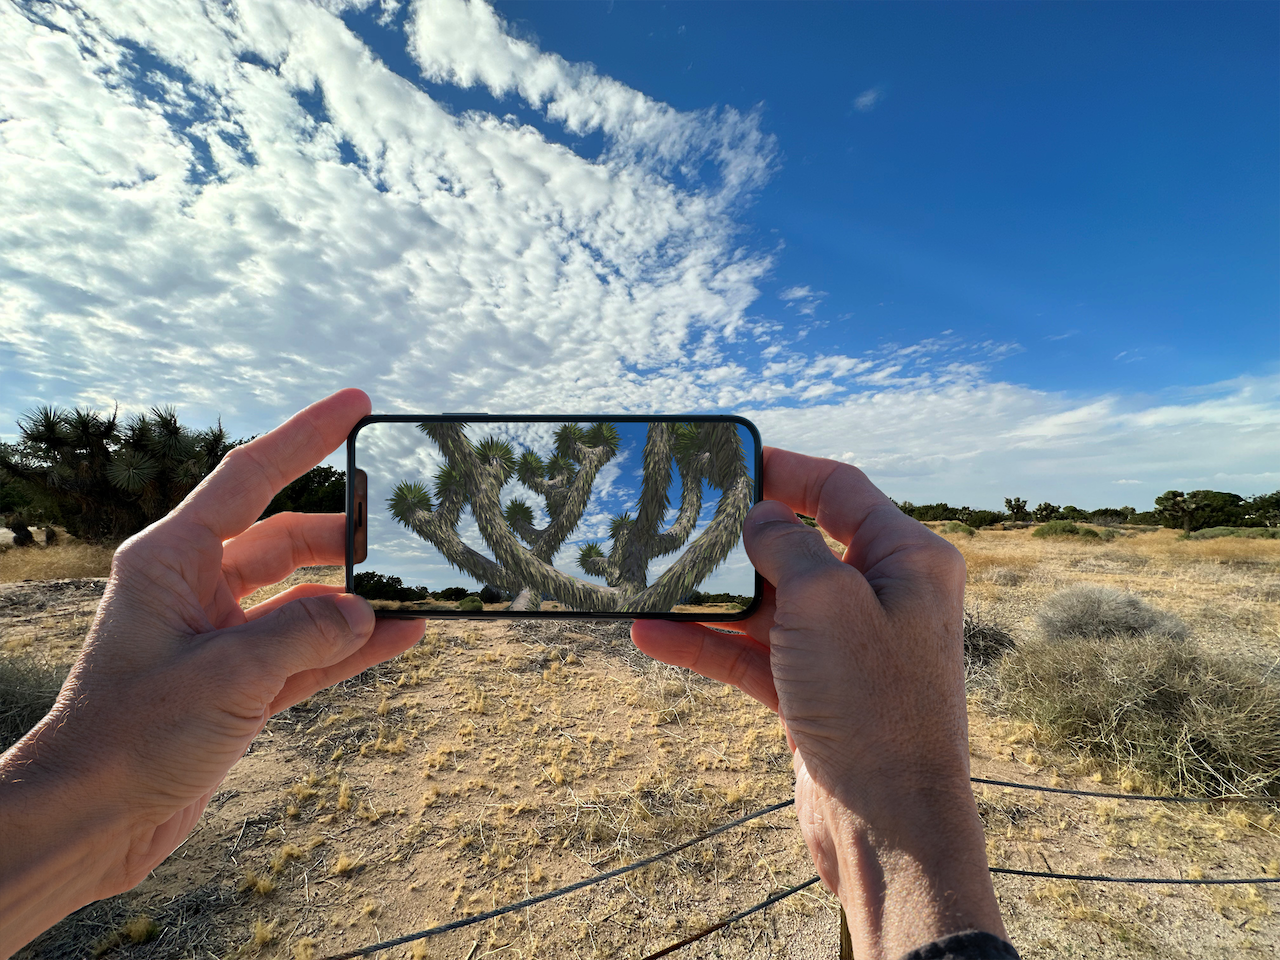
x,y
1197,510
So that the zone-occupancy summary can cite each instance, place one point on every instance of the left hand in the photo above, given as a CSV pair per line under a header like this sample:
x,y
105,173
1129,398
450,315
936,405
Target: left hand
x,y
175,679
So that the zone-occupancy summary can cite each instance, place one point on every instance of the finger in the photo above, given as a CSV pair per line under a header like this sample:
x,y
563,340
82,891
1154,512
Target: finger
x,y
728,657
839,496
296,592
390,639
231,498
273,548
757,625
304,635
782,547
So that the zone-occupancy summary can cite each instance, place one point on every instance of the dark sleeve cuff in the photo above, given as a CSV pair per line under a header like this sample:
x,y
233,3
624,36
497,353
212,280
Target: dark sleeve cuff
x,y
972,945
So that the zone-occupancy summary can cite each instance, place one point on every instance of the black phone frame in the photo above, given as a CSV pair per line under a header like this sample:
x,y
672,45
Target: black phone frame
x,y
757,496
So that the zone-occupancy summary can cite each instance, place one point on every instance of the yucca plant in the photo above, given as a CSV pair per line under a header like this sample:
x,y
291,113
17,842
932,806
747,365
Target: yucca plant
x,y
106,480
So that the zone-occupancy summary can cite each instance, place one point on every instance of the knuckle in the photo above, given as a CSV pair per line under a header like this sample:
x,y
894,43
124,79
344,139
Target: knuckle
x,y
942,562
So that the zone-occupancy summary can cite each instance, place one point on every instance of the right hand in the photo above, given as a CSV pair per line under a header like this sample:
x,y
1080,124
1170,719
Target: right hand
x,y
862,657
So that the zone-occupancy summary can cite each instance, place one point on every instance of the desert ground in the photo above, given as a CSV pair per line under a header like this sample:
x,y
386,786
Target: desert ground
x,y
497,760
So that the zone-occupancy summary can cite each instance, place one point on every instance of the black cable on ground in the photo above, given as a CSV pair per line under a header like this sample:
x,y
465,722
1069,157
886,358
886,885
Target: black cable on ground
x,y
770,900
1207,882
1121,796
783,894
552,894
638,864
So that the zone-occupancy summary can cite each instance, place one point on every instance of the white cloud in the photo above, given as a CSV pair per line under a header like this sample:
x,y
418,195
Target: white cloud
x,y
868,100
209,240
974,441
467,43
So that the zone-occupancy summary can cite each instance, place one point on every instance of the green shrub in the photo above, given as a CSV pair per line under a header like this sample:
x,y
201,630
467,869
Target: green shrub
x,y
1196,724
320,490
471,604
1056,528
1088,610
378,586
698,598
1251,533
27,691
955,526
1088,533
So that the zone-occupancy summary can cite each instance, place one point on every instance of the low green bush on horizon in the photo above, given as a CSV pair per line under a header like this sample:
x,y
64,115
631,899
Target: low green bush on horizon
x,y
1250,533
1066,528
955,526
1056,528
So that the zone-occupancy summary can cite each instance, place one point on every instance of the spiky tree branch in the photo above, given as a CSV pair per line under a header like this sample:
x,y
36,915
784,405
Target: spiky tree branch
x,y
474,475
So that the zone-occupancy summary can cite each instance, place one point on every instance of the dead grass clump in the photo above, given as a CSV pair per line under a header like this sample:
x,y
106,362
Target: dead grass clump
x,y
27,691
1194,723
984,640
63,560
1088,610
1248,533
1003,577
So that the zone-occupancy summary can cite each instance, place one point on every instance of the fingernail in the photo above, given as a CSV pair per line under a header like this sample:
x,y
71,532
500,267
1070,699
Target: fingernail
x,y
772,511
356,610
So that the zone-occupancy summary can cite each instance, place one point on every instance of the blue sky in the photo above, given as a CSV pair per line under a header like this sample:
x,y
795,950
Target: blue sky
x,y
982,250
1099,183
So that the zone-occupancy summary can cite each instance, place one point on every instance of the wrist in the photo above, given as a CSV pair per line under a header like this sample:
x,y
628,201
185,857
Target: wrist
x,y
914,872
63,845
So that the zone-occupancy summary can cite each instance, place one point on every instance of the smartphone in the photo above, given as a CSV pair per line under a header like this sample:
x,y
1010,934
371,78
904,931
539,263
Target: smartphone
x,y
470,515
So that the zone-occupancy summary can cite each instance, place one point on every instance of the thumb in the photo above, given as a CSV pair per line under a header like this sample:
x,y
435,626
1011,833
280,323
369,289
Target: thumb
x,y
781,546
304,634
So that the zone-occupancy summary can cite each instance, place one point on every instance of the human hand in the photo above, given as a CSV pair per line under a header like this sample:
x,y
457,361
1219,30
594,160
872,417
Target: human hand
x,y
862,657
175,679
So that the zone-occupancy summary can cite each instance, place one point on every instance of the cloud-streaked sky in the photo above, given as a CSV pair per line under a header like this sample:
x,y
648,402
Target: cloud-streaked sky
x,y
983,250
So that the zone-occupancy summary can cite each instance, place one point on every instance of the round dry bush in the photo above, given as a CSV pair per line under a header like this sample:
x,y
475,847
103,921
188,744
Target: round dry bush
x,y
1003,576
1195,723
1088,610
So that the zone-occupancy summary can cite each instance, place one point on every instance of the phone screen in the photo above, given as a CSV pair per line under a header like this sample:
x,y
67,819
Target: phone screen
x,y
538,516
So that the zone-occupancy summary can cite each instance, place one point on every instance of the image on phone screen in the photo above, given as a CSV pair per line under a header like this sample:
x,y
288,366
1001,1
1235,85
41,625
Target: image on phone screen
x,y
621,516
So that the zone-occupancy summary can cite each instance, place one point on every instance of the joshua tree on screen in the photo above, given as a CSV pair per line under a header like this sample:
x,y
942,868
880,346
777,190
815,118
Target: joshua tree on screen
x,y
474,474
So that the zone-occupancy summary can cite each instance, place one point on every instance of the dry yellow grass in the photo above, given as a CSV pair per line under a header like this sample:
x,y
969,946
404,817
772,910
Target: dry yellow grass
x,y
65,559
1227,590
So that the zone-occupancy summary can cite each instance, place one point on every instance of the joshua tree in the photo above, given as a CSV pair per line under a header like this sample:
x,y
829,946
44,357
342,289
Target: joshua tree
x,y
1017,508
474,474
1046,511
